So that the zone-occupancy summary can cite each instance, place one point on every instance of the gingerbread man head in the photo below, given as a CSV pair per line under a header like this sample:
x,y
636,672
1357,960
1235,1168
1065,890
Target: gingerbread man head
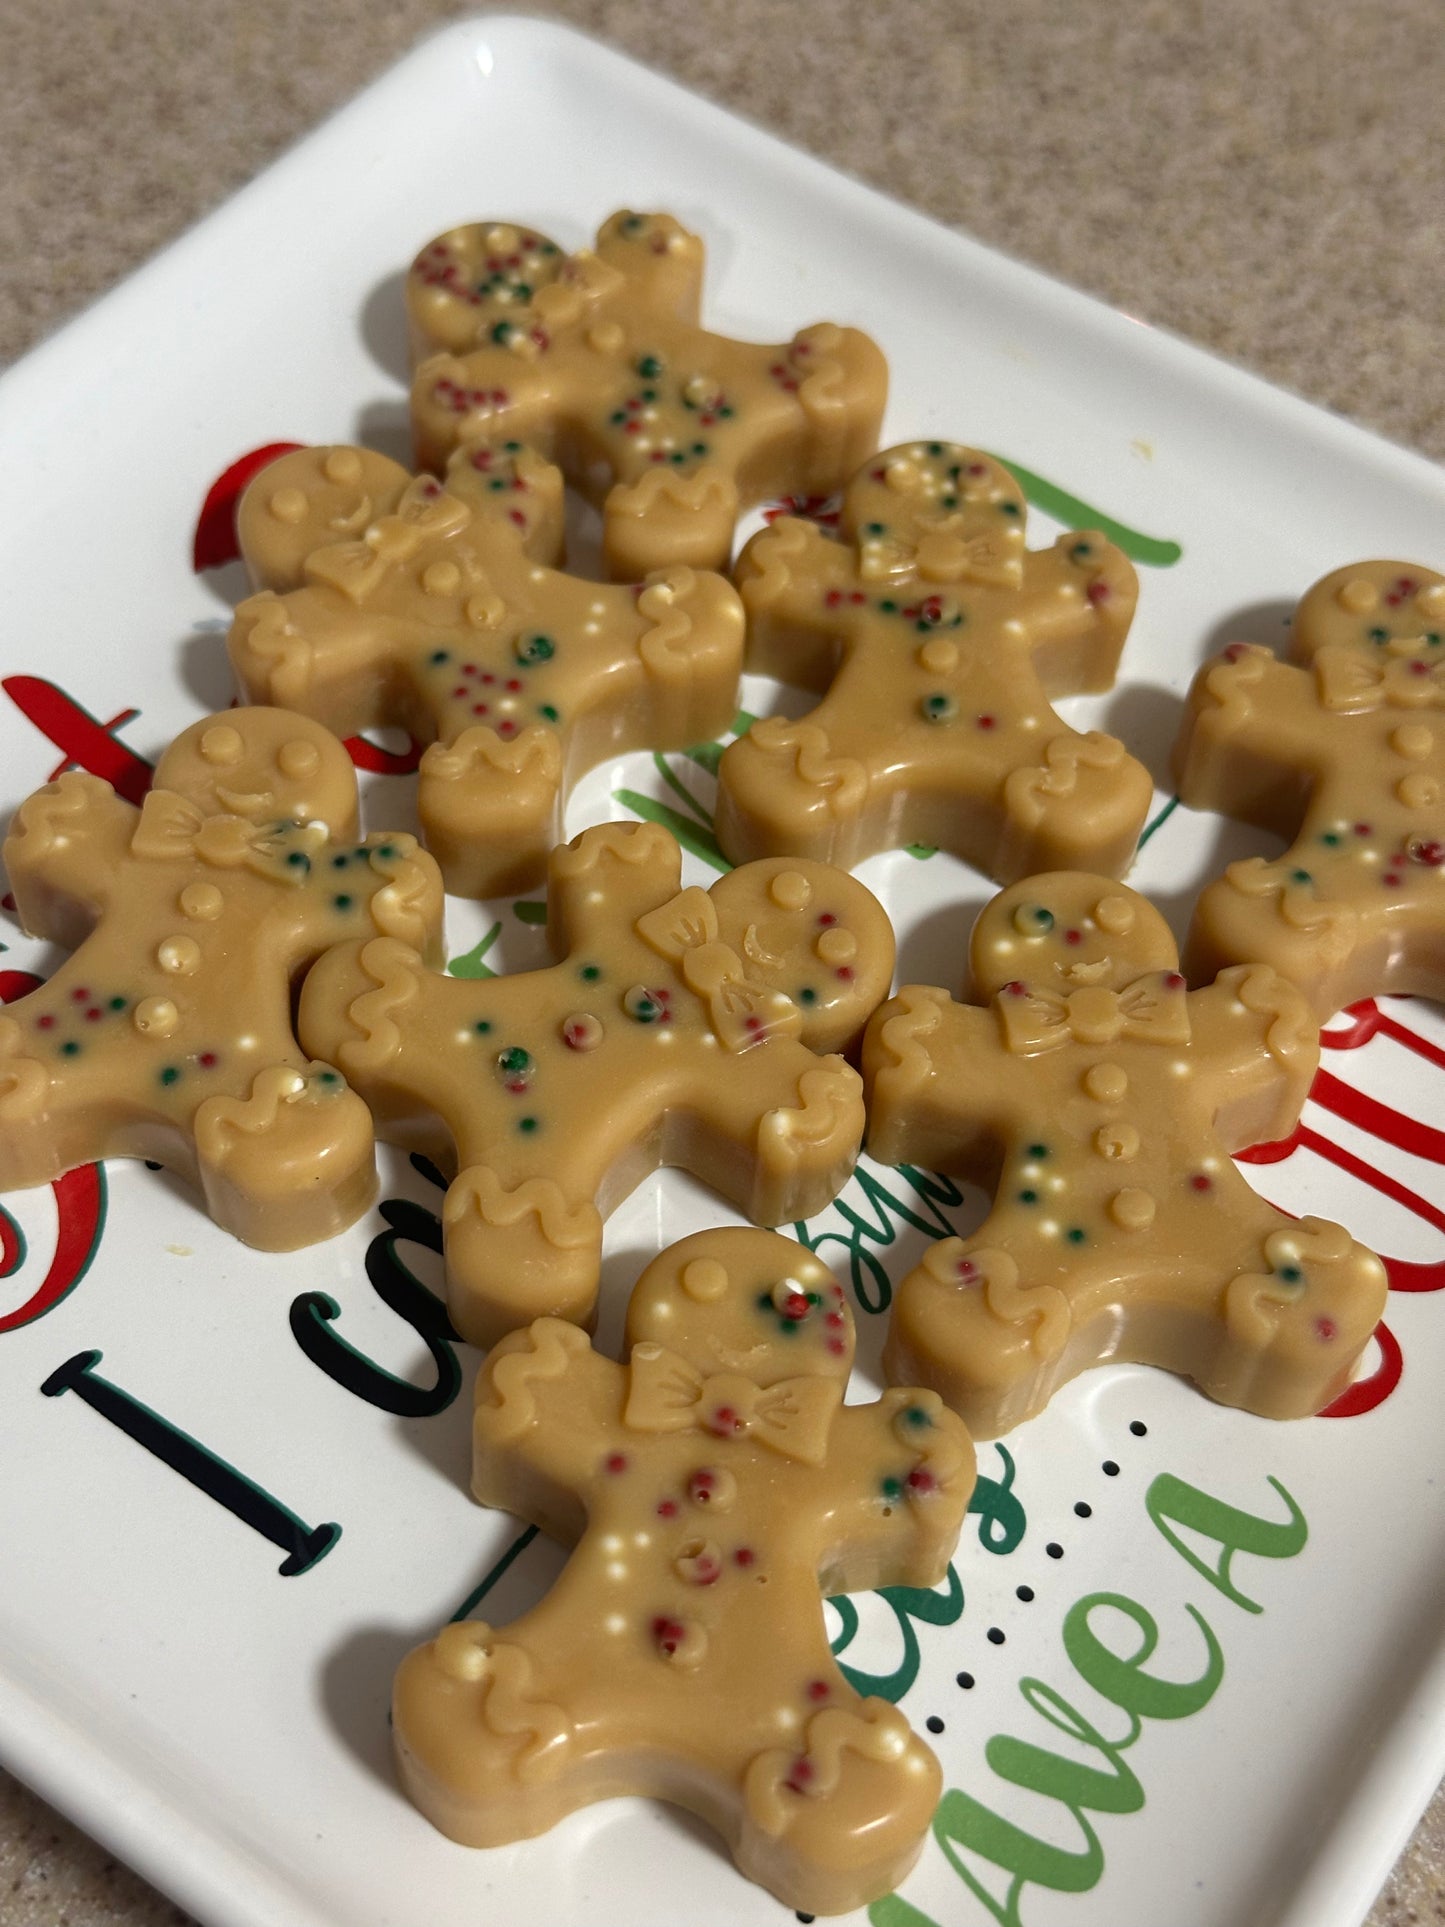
x,y
1066,930
267,765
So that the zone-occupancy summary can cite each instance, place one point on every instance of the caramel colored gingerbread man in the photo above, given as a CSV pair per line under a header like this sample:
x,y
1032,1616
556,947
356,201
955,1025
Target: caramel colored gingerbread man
x,y
1100,1100
167,1034
388,599
939,639
1343,751
715,1488
679,1027
598,355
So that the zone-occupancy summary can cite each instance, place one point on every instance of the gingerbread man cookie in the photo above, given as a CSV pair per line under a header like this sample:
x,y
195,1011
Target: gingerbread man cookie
x,y
598,355
388,599
679,1027
1343,751
1100,1100
939,640
167,1034
715,1488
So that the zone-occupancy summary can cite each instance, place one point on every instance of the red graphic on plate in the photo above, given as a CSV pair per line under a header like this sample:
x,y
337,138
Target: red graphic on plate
x,y
216,543
86,742
79,1213
1388,1126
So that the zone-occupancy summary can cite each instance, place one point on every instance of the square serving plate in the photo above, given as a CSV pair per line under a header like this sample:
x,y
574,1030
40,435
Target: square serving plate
x,y
223,1727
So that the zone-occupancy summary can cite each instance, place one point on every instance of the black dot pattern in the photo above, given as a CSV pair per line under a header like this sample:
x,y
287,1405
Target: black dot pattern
x,y
965,1680
1025,1593
1084,1509
995,1635
1138,1428
1109,1469
934,1723
1054,1549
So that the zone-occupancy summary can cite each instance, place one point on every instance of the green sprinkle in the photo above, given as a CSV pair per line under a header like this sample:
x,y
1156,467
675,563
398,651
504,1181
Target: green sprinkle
x,y
1081,551
892,1488
328,1078
1291,1274
876,528
1332,837
726,412
888,607
589,973
482,1026
526,1125
535,649
299,860
1044,918
1038,1150
502,332
522,290
497,484
342,902
1008,508
1300,876
650,367
699,448
340,862
807,995
1028,1197
549,711
170,1075
916,1417
117,1003
935,448
1378,635
438,657
70,1049
386,851
617,417
1074,1235
938,708
514,1059
764,1301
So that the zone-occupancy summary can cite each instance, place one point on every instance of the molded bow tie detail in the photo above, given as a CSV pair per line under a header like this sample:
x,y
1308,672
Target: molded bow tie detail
x,y
667,1394
172,829
1404,678
1151,1009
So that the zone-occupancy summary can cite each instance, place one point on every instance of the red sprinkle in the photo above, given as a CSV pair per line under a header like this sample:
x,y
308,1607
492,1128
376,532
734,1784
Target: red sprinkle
x,y
745,1557
667,1508
987,722
615,1462
1199,1182
1073,936
1326,1328
47,1022
1097,592
818,1689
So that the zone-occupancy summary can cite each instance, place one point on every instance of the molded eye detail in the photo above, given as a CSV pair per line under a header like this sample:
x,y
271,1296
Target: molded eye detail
x,y
1115,914
1033,920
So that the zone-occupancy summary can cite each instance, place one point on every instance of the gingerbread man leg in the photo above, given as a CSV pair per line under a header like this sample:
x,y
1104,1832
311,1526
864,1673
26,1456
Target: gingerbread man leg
x,y
289,1163
490,810
1079,806
519,1248
662,519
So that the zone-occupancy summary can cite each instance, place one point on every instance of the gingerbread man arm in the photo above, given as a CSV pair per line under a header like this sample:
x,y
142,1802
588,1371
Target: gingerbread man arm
x,y
65,854
608,876
1254,1049
1255,738
796,584
907,1466
546,1424
1077,604
928,1103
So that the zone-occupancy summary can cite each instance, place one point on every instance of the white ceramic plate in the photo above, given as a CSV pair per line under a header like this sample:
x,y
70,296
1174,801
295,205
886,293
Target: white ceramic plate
x,y
224,1728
